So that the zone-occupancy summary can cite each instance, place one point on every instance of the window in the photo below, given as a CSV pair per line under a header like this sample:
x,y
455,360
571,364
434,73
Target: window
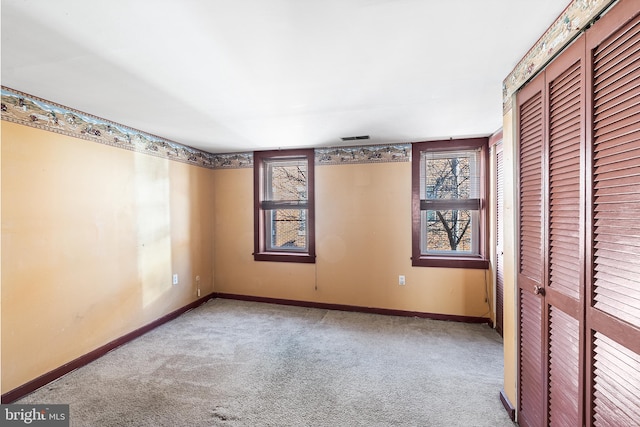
x,y
284,206
449,203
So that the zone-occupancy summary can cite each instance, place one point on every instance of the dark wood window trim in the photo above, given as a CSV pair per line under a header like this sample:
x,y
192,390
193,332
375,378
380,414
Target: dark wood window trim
x,y
261,252
418,259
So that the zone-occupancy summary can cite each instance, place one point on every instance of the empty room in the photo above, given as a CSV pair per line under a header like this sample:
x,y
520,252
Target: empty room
x,y
336,213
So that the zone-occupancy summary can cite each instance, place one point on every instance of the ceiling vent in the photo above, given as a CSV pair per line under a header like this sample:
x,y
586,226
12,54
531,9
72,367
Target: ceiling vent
x,y
354,138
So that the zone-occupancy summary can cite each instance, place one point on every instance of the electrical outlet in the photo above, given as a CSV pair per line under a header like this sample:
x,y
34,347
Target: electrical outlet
x,y
401,280
175,279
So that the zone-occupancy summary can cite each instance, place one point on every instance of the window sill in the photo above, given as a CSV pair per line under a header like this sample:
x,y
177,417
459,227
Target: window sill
x,y
451,262
285,257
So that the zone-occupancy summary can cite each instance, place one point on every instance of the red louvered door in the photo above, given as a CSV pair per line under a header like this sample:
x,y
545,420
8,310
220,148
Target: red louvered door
x,y
579,231
551,275
499,238
613,282
565,80
531,401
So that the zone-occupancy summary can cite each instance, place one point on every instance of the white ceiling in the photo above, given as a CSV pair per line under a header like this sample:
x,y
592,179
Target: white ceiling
x,y
240,75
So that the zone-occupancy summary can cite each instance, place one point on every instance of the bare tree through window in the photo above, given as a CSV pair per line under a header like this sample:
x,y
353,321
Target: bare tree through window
x,y
448,177
288,185
284,205
448,189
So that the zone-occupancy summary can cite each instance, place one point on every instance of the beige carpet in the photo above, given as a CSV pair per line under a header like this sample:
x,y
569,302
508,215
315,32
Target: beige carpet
x,y
234,363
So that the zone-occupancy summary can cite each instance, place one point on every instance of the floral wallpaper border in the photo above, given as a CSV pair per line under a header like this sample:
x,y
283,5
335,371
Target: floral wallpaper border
x,y
577,15
363,154
19,107
29,110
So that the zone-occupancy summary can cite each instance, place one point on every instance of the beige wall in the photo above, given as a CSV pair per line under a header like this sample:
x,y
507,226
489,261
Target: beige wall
x,y
91,236
510,233
363,233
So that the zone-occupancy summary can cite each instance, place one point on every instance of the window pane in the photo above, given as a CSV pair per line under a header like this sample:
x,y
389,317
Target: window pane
x,y
448,203
286,229
448,231
284,206
286,180
449,175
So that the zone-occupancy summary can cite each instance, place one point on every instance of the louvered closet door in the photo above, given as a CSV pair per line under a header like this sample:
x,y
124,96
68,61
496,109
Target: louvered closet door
x,y
565,79
531,403
613,309
499,238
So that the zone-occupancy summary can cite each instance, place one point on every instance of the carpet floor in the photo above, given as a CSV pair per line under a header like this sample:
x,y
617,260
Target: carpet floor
x,y
236,363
